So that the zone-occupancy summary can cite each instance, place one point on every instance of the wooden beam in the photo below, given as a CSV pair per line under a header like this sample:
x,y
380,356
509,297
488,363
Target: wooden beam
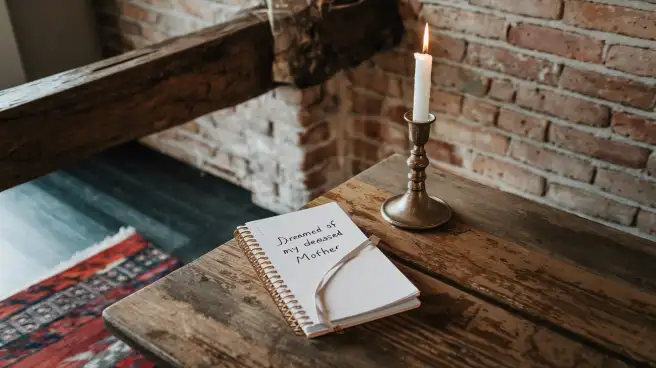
x,y
54,121
330,35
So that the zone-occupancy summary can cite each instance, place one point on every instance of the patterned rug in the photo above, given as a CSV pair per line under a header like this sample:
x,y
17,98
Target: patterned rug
x,y
57,322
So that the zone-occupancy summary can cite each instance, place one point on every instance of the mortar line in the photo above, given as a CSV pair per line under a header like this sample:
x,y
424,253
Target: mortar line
x,y
492,74
546,145
589,66
612,38
542,200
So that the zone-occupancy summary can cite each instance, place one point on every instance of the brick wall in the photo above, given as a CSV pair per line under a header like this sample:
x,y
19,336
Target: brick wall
x,y
279,145
553,100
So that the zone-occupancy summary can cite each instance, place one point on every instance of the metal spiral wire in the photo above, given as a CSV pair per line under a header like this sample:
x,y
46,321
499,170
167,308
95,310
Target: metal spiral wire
x,y
284,299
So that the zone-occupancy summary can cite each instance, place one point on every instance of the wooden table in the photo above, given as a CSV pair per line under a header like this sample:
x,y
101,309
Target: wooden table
x,y
507,282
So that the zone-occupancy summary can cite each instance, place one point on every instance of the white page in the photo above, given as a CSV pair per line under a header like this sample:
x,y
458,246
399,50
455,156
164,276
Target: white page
x,y
368,282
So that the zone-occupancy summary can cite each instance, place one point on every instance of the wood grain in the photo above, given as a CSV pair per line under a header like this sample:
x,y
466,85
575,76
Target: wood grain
x,y
498,289
328,36
214,312
598,248
607,312
49,123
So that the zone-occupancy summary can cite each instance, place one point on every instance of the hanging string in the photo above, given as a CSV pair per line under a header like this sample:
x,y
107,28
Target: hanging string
x,y
319,295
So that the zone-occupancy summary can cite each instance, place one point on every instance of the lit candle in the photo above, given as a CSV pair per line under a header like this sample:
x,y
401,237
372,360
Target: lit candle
x,y
423,66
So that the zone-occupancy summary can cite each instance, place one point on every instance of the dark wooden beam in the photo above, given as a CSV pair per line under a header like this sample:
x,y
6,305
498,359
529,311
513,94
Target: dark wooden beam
x,y
331,35
52,122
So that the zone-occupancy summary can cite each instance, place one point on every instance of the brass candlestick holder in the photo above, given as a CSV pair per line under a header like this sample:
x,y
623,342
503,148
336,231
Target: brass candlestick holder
x,y
415,209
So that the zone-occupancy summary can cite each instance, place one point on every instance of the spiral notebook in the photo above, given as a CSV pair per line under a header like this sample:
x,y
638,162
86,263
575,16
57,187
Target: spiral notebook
x,y
292,253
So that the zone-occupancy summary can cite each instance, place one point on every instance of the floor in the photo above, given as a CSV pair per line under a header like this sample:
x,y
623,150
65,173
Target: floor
x,y
178,208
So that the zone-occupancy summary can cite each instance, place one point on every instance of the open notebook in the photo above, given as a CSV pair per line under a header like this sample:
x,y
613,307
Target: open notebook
x,y
291,253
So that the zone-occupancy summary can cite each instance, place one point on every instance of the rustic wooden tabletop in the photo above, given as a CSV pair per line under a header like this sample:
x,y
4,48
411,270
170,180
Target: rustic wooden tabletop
x,y
507,282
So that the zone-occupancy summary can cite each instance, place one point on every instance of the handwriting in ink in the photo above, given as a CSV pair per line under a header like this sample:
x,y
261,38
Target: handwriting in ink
x,y
284,240
319,253
290,250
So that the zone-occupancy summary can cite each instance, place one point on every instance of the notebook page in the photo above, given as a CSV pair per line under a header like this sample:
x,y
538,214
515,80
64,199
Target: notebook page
x,y
304,245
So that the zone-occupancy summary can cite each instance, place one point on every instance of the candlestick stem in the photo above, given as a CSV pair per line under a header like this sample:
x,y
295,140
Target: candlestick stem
x,y
415,209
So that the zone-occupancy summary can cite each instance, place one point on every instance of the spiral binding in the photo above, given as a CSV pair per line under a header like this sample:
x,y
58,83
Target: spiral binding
x,y
289,307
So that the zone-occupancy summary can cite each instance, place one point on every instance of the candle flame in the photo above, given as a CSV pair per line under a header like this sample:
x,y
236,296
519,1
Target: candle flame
x,y
425,49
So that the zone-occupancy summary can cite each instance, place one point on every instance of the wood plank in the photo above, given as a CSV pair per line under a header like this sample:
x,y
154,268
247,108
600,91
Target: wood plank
x,y
51,122
215,312
599,248
606,313
54,121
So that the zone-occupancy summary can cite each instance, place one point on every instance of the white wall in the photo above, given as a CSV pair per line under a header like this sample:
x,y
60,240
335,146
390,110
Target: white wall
x,y
54,35
11,70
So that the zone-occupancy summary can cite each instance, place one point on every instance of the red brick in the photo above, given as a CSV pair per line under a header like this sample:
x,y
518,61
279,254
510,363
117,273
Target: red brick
x,y
365,150
395,62
646,221
400,87
508,173
460,20
551,161
444,152
627,186
537,8
610,88
572,109
394,137
390,133
366,128
446,47
475,137
366,103
316,133
557,42
319,155
651,164
634,60
611,18
586,143
502,90
521,124
369,78
315,179
394,111
634,127
445,102
591,204
303,117
512,63
441,46
479,111
460,79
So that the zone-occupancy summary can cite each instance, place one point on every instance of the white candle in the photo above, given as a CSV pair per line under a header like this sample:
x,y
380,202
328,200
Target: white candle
x,y
423,66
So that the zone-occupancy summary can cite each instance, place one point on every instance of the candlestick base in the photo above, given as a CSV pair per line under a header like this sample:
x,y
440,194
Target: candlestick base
x,y
415,209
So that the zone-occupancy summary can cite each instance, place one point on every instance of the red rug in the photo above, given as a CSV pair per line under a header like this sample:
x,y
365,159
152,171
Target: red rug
x,y
57,322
